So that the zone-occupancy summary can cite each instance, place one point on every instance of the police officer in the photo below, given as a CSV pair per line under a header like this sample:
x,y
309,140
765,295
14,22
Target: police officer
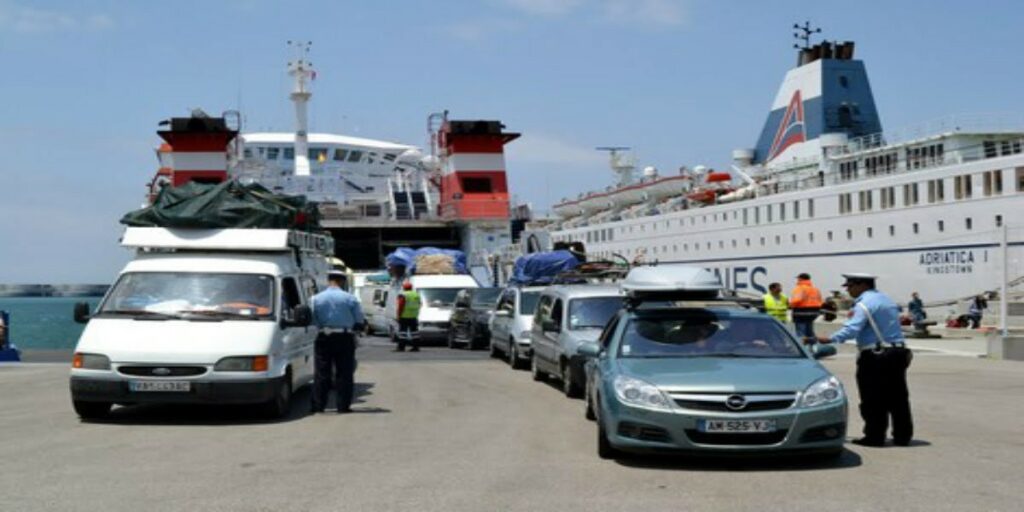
x,y
337,315
882,363
408,318
775,303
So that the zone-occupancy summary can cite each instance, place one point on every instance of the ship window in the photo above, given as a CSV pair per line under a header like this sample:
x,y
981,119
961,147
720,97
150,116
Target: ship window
x,y
762,241
709,246
993,182
794,237
735,214
390,157
686,247
892,230
865,200
796,209
810,237
829,236
289,153
675,248
355,156
778,239
942,226
655,250
734,243
317,154
849,234
962,187
721,244
990,149
871,232
745,216
768,213
999,221
748,242
910,196
810,208
916,228
272,153
757,209
844,82
936,191
477,185
968,223
339,155
782,212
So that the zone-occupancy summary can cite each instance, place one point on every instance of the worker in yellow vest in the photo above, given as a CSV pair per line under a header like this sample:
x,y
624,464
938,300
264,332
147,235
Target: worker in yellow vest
x,y
775,303
408,318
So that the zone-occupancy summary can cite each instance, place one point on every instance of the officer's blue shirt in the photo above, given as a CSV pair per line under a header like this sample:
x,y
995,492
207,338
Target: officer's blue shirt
x,y
886,314
335,308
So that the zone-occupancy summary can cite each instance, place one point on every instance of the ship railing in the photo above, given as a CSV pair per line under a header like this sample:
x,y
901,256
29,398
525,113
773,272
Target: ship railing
x,y
964,123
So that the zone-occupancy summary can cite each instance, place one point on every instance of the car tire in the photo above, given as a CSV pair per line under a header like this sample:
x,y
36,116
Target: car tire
x,y
513,356
569,387
494,350
589,413
535,371
451,338
279,406
91,410
605,450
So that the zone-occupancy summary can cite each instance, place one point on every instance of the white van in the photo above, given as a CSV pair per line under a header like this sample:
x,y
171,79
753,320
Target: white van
x,y
373,298
437,293
203,316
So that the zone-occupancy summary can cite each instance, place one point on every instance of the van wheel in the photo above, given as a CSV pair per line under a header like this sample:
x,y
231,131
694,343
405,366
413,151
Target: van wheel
x,y
513,356
91,410
281,404
569,387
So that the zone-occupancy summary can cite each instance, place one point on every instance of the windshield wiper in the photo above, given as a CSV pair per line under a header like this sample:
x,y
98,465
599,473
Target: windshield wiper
x,y
220,314
142,313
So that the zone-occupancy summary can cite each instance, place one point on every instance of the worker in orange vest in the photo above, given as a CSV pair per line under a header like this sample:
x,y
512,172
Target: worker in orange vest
x,y
805,302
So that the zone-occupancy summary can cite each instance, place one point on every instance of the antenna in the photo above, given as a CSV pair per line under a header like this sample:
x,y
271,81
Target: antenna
x,y
803,33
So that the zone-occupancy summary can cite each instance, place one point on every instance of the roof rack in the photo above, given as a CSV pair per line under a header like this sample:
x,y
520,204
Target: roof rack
x,y
593,272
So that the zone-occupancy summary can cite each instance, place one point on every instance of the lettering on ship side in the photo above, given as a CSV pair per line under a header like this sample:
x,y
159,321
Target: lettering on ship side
x,y
957,261
742,278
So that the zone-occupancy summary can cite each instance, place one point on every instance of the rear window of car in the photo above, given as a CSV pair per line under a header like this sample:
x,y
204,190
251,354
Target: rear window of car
x,y
706,333
593,312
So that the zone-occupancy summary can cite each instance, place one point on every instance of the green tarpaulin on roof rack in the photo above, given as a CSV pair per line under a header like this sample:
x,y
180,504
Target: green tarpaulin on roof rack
x,y
224,205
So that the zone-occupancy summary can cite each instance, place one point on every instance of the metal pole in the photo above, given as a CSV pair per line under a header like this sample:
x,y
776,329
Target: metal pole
x,y
1004,297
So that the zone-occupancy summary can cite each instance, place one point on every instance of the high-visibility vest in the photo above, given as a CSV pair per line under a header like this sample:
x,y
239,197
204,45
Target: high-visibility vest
x,y
805,295
776,308
412,304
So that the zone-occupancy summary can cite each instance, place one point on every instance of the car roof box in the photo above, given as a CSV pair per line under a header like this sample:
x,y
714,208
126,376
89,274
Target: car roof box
x,y
671,283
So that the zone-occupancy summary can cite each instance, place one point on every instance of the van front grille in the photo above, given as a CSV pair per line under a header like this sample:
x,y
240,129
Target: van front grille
x,y
162,371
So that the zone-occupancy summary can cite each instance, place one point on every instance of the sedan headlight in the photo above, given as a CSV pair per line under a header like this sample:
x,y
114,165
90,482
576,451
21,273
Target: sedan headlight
x,y
242,364
825,391
638,393
90,361
524,336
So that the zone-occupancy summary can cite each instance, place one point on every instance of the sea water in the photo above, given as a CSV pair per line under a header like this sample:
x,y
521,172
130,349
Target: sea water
x,y
44,323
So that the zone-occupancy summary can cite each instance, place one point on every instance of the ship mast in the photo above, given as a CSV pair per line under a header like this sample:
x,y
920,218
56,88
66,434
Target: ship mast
x,y
302,70
622,164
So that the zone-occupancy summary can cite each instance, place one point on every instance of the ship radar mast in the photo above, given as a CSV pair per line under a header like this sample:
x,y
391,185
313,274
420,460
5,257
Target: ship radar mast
x,y
803,33
301,69
622,164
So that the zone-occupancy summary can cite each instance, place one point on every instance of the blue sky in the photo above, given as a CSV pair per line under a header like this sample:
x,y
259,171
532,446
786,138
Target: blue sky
x,y
682,81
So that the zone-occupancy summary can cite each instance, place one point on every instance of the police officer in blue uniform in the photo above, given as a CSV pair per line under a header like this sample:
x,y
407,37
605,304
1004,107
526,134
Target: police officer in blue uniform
x,y
882,363
338,315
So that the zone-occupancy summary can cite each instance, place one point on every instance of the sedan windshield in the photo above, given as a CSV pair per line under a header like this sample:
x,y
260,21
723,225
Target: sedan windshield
x,y
173,294
439,297
706,334
593,312
486,296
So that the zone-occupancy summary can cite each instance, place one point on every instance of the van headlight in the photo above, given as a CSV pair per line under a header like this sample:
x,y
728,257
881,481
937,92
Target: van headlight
x,y
90,361
825,391
242,364
638,393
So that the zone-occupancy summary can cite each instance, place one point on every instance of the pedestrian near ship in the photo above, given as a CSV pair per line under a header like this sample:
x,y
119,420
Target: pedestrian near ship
x,y
338,316
409,303
881,364
776,303
805,301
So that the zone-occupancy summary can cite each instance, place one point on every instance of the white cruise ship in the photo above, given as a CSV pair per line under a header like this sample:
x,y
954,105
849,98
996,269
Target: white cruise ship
x,y
826,191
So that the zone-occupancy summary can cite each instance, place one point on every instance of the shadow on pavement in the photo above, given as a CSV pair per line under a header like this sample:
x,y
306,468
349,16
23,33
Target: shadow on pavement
x,y
848,459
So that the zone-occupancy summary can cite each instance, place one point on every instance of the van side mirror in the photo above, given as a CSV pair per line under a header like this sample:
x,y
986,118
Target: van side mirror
x,y
820,351
589,349
302,316
81,312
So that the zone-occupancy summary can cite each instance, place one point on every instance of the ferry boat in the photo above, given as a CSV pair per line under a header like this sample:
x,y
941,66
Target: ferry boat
x,y
934,210
373,195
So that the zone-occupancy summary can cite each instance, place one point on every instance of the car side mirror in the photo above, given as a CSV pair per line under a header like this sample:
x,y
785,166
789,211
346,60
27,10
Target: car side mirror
x,y
302,316
821,351
81,312
589,349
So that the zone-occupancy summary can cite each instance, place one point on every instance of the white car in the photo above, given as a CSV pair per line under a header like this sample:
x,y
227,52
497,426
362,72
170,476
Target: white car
x,y
202,316
437,296
511,323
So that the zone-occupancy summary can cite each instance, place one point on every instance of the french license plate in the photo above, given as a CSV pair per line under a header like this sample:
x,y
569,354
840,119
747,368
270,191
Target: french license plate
x,y
736,426
171,386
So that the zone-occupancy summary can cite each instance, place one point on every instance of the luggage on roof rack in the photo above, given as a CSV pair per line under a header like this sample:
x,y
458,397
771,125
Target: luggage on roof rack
x,y
541,268
593,272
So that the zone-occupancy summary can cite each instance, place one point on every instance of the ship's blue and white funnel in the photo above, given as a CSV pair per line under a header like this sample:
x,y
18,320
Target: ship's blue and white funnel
x,y
828,92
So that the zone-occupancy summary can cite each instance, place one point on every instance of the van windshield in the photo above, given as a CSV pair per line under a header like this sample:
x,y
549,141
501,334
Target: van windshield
x,y
183,294
439,297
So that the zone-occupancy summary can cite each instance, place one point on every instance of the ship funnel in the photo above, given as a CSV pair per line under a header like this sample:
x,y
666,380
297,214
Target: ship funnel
x,y
828,92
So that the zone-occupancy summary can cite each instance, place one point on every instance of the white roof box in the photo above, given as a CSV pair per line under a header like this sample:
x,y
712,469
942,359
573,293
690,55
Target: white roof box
x,y
270,240
667,282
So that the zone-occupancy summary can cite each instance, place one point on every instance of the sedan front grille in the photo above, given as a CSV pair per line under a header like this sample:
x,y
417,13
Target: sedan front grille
x,y
162,371
734,402
767,438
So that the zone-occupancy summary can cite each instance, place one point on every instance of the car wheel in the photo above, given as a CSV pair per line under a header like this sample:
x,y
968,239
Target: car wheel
x,y
451,338
569,387
605,450
589,413
281,404
472,343
91,410
494,349
535,370
513,356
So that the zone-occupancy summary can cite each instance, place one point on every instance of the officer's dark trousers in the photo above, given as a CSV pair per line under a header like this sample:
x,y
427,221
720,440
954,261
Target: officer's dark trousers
x,y
882,382
408,332
335,362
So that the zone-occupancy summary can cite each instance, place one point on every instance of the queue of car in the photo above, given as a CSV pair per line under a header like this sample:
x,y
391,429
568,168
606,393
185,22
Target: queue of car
x,y
663,362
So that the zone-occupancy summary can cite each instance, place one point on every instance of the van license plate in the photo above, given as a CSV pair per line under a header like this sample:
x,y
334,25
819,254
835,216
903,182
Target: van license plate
x,y
736,426
173,386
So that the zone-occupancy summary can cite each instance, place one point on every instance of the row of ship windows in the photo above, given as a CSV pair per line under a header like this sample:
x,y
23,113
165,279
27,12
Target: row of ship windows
x,y
919,157
869,232
317,154
963,188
